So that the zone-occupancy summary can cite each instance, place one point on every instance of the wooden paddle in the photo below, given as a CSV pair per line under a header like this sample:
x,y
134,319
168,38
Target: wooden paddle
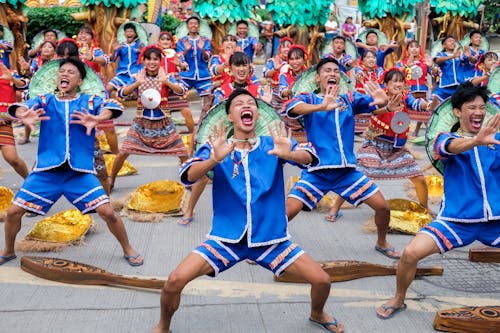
x,y
472,319
67,271
343,270
484,254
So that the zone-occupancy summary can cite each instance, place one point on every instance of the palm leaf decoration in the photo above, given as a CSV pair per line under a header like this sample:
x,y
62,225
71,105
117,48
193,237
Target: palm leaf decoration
x,y
464,8
382,8
13,3
114,3
300,13
225,10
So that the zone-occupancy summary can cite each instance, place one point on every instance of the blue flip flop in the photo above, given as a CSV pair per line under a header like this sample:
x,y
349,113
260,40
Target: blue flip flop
x,y
7,259
333,217
185,220
386,252
326,325
395,309
132,263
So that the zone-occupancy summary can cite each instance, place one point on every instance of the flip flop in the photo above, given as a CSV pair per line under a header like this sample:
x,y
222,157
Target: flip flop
x,y
185,220
6,259
325,326
395,309
387,251
133,263
333,217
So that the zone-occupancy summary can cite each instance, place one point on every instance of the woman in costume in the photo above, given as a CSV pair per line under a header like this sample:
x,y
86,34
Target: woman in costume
x,y
9,83
296,65
152,131
383,154
417,66
173,63
47,52
273,69
484,68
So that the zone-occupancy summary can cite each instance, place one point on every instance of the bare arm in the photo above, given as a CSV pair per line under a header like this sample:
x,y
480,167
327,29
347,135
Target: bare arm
x,y
486,136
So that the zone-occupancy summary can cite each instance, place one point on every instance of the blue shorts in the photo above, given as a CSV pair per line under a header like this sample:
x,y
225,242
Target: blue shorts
x,y
275,257
42,189
121,80
352,185
203,87
444,93
449,235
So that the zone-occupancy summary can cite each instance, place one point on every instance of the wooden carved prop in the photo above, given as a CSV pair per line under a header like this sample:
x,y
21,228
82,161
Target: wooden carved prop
x,y
473,319
484,254
67,271
346,270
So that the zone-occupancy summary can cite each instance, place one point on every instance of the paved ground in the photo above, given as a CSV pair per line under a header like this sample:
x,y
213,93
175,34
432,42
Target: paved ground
x,y
244,299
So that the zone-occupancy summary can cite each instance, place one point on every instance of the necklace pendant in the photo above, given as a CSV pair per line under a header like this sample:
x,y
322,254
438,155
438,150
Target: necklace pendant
x,y
235,171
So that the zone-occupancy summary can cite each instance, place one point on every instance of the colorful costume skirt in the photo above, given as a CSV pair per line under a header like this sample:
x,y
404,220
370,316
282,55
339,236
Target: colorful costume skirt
x,y
379,159
6,133
106,125
158,136
177,103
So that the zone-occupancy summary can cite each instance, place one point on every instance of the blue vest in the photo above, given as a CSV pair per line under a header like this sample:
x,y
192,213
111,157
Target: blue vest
x,y
61,141
198,67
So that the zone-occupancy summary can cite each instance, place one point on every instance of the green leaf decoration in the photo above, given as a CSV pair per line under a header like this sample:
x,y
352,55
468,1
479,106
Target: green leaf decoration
x,y
13,3
464,8
114,3
381,8
225,10
311,13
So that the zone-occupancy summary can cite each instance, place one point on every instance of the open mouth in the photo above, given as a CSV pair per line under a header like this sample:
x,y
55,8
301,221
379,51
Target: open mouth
x,y
332,82
247,118
476,122
64,83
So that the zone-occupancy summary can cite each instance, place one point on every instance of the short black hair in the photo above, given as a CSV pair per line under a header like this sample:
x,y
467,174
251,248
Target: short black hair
x,y
394,73
77,63
369,32
242,22
50,30
324,61
475,31
192,18
69,47
298,51
467,92
129,25
236,92
239,58
87,30
338,37
147,54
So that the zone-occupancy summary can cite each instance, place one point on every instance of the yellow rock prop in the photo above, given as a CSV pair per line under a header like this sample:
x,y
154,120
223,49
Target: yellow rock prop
x,y
127,168
162,196
6,196
56,232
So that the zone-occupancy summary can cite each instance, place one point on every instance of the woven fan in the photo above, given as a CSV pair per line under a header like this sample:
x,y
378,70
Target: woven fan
x,y
350,48
306,82
382,39
7,34
485,44
139,29
204,31
494,81
437,47
45,81
253,30
38,39
442,120
218,113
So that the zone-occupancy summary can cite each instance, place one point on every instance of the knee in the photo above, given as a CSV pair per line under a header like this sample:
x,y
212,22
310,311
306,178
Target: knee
x,y
175,283
410,256
107,213
322,279
14,212
383,209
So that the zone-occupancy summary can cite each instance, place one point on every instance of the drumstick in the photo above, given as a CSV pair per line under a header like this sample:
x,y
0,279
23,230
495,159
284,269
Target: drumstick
x,y
345,270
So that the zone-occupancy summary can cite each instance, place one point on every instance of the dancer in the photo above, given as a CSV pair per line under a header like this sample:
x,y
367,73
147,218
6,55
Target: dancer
x,y
240,232
329,123
346,62
65,158
449,61
173,63
9,83
484,68
472,54
248,44
470,153
272,70
381,51
152,132
240,68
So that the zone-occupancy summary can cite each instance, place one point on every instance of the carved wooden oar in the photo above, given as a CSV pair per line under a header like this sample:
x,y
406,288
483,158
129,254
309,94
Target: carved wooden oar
x,y
343,270
484,254
473,319
67,271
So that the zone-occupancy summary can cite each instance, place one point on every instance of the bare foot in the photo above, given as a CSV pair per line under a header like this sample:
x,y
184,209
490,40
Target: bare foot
x,y
389,309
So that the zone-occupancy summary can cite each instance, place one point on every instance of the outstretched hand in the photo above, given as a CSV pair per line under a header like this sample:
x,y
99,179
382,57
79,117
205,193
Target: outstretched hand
x,y
220,147
85,119
376,92
282,142
486,135
31,116
330,102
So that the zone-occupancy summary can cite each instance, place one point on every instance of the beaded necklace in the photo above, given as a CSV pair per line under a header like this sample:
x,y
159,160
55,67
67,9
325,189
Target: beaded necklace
x,y
236,163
